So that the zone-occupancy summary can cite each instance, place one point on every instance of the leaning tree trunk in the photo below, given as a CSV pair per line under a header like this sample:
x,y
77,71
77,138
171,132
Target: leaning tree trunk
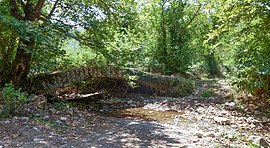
x,y
21,64
24,11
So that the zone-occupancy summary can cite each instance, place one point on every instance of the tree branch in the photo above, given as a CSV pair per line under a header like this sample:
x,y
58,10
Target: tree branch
x,y
39,6
14,10
53,9
191,20
2,45
21,3
113,14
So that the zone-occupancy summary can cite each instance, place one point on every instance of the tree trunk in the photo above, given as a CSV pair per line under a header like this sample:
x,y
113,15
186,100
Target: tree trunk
x,y
24,11
21,64
5,72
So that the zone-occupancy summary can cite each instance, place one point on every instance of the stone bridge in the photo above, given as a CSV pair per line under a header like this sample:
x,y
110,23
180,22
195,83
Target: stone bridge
x,y
165,85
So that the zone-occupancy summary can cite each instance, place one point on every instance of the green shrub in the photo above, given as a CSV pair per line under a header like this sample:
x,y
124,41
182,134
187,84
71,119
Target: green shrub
x,y
12,100
208,93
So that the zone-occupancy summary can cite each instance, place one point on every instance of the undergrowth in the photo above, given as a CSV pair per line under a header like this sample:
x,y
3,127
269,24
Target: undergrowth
x,y
12,101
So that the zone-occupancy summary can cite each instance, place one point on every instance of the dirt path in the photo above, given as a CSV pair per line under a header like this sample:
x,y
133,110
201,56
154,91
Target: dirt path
x,y
202,119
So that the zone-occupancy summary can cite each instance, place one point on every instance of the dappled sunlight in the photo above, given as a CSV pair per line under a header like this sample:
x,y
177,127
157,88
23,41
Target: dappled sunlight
x,y
144,121
134,73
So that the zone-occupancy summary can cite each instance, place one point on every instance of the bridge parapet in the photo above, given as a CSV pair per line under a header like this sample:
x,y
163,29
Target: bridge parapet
x,y
43,83
48,82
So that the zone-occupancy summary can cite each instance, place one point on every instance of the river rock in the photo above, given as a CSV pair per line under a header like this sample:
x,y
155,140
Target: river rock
x,y
40,101
52,110
222,120
24,118
36,129
58,122
70,111
199,134
130,102
265,119
63,118
38,139
210,134
257,140
230,105
46,117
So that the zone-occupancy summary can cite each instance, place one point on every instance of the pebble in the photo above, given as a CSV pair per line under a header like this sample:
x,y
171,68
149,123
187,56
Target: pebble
x,y
230,105
222,120
35,128
52,110
194,140
210,134
58,122
251,119
38,139
63,118
265,119
199,117
200,109
6,122
234,126
259,141
231,136
70,111
46,117
41,101
25,118
199,134
145,101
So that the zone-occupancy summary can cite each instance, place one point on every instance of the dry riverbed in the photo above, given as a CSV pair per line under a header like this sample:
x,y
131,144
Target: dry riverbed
x,y
203,119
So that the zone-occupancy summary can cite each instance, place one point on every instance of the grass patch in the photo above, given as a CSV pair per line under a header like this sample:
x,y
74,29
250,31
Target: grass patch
x,y
207,94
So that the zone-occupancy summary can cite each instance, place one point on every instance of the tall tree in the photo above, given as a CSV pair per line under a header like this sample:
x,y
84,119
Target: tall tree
x,y
169,33
25,28
248,24
32,31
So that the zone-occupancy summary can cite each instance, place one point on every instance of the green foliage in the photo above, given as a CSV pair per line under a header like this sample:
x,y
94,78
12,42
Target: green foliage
x,y
162,36
253,146
197,71
124,49
208,93
246,21
168,24
132,80
13,99
231,135
78,55
62,105
184,87
111,31
37,40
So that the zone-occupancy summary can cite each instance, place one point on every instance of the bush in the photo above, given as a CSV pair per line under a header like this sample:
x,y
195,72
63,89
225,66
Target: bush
x,y
12,101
